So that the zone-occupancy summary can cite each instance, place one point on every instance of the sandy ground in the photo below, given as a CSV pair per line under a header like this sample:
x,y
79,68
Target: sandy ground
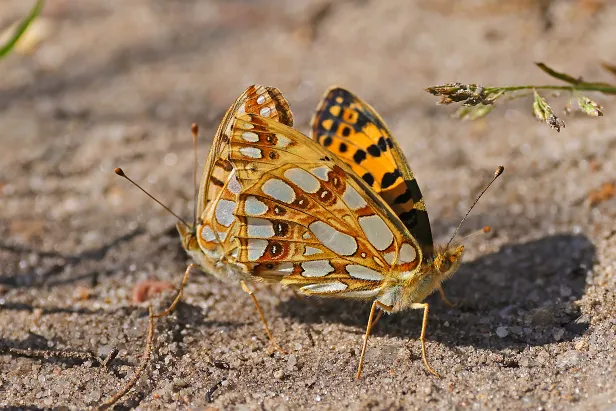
x,y
118,84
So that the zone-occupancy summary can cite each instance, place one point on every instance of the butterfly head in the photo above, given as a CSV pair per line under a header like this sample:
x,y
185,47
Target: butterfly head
x,y
447,261
434,270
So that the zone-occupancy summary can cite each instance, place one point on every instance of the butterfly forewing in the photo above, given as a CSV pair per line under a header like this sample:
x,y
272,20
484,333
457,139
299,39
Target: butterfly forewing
x,y
356,134
308,220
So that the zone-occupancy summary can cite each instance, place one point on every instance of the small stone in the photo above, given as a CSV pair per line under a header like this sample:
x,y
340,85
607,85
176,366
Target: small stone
x,y
502,332
516,329
542,316
278,374
543,357
104,350
507,311
581,345
569,359
558,333
565,291
291,361
180,383
94,396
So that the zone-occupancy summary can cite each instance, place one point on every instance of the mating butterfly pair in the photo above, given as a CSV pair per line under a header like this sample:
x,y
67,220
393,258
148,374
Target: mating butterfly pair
x,y
339,215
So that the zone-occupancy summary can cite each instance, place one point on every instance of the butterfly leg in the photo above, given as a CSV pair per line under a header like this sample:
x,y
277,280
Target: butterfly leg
x,y
422,338
376,320
267,330
444,298
371,322
180,293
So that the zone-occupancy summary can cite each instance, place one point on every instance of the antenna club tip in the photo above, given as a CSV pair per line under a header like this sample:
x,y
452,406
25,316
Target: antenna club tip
x,y
499,171
119,172
486,229
194,127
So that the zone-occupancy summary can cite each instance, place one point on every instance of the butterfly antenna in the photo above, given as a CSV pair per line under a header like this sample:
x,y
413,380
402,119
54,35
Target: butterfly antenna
x,y
195,133
120,172
483,230
497,173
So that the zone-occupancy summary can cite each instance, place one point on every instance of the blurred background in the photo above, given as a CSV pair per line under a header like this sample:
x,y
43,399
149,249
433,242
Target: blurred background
x,y
102,84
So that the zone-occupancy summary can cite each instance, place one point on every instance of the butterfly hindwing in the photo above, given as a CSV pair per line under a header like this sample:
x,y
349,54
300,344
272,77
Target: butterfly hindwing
x,y
308,220
356,134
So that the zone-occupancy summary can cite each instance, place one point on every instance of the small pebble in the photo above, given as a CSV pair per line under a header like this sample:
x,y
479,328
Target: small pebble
x,y
502,332
569,359
565,291
581,345
542,316
291,361
516,329
428,390
278,374
558,333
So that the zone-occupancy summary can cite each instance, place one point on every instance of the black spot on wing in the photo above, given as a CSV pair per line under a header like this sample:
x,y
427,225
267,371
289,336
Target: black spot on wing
x,y
343,148
327,141
382,143
374,150
390,178
368,178
346,131
403,198
359,156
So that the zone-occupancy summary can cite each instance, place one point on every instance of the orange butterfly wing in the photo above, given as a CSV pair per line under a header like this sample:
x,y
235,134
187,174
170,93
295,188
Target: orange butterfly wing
x,y
356,134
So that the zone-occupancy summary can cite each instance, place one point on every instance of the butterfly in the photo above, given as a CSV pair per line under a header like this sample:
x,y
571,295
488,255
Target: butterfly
x,y
211,240
277,206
